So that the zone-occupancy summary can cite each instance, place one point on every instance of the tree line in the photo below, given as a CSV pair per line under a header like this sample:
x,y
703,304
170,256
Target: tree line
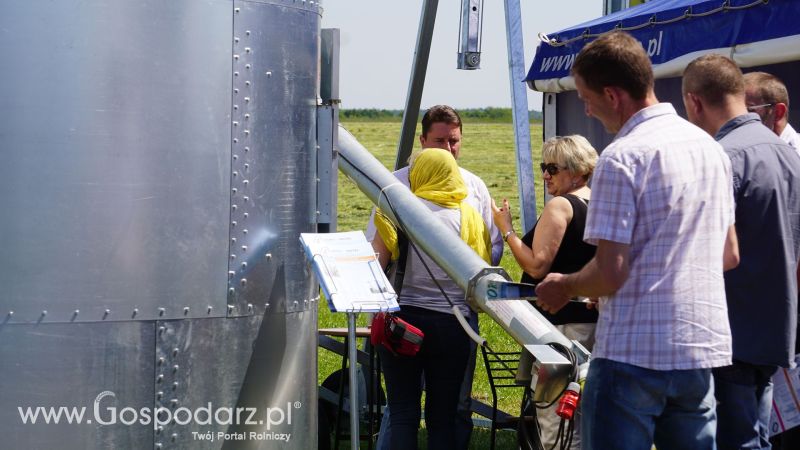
x,y
478,114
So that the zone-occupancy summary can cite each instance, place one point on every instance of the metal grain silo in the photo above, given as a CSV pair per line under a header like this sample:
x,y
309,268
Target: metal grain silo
x,y
157,164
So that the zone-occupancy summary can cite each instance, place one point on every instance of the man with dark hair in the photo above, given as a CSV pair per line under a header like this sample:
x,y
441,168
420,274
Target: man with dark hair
x,y
762,290
441,128
661,216
766,95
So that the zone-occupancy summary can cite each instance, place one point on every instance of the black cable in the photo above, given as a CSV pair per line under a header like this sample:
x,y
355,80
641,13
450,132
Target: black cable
x,y
401,226
528,439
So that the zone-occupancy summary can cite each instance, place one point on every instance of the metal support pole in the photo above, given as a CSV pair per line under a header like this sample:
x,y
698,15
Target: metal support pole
x,y
417,82
352,349
519,101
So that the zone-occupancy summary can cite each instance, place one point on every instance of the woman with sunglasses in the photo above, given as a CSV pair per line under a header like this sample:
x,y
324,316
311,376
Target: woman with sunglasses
x,y
555,244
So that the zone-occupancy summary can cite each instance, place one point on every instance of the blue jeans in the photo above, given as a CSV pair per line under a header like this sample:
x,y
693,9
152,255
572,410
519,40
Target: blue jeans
x,y
744,396
630,407
442,361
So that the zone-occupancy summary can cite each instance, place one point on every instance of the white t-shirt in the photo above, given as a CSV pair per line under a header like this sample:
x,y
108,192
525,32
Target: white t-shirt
x,y
791,137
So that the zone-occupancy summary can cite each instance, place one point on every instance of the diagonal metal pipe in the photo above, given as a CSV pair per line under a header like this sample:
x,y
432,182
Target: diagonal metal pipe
x,y
483,283
487,288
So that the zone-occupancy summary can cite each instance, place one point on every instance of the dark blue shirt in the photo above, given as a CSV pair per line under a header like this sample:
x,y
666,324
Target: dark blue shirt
x,y
762,290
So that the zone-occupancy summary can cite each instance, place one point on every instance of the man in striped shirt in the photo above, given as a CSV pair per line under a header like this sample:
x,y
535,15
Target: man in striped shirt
x,y
662,218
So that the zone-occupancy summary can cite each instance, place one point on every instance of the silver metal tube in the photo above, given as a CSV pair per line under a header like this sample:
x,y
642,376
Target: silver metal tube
x,y
352,347
522,321
451,254
481,282
417,82
519,100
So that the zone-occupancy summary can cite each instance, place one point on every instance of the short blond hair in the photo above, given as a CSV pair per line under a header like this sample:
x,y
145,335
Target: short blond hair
x,y
713,78
573,152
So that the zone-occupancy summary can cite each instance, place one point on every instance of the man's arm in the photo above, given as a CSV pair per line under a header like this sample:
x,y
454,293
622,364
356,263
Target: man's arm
x,y
601,276
730,253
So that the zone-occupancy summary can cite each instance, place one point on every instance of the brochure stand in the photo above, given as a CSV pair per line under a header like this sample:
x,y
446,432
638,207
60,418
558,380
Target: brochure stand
x,y
353,282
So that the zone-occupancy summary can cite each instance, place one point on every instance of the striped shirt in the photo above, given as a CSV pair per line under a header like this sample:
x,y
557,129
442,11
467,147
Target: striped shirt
x,y
664,187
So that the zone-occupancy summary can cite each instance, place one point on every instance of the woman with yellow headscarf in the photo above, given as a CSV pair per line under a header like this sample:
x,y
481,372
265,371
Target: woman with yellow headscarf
x,y
435,178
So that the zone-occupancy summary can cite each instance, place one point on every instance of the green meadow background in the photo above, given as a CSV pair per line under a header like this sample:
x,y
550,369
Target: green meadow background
x,y
488,151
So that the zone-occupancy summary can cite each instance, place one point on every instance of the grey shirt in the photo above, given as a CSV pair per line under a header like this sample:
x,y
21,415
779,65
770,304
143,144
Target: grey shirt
x,y
762,290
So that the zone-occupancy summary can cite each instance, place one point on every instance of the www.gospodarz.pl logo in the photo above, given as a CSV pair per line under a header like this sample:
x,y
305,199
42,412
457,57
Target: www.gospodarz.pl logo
x,y
104,412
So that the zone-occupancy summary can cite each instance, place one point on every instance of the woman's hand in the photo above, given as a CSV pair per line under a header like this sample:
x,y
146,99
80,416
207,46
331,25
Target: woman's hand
x,y
502,217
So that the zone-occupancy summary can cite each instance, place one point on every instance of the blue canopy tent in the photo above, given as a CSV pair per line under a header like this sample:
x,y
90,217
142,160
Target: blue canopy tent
x,y
757,34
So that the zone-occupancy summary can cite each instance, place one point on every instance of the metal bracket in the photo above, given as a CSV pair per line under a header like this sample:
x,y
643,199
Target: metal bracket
x,y
470,30
473,284
549,372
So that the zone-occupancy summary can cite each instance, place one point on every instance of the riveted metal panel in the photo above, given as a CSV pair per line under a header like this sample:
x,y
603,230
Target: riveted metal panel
x,y
308,5
272,163
114,181
74,366
265,374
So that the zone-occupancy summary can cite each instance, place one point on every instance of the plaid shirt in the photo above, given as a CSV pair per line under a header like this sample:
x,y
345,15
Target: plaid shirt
x,y
664,187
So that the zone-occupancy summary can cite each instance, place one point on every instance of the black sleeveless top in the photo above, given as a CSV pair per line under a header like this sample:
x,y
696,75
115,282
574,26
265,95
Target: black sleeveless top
x,y
571,256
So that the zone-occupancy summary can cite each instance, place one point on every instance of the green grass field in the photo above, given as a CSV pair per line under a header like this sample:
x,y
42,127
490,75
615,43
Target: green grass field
x,y
488,151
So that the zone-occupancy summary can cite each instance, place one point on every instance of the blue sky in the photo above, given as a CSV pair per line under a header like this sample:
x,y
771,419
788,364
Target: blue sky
x,y
378,38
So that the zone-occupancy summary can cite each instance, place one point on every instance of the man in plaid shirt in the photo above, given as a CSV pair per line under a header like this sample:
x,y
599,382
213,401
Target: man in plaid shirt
x,y
662,218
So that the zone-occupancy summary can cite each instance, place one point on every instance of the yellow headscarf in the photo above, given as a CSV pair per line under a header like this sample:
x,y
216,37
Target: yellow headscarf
x,y
434,176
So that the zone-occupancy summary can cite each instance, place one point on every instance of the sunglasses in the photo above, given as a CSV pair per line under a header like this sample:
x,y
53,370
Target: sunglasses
x,y
755,108
551,168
